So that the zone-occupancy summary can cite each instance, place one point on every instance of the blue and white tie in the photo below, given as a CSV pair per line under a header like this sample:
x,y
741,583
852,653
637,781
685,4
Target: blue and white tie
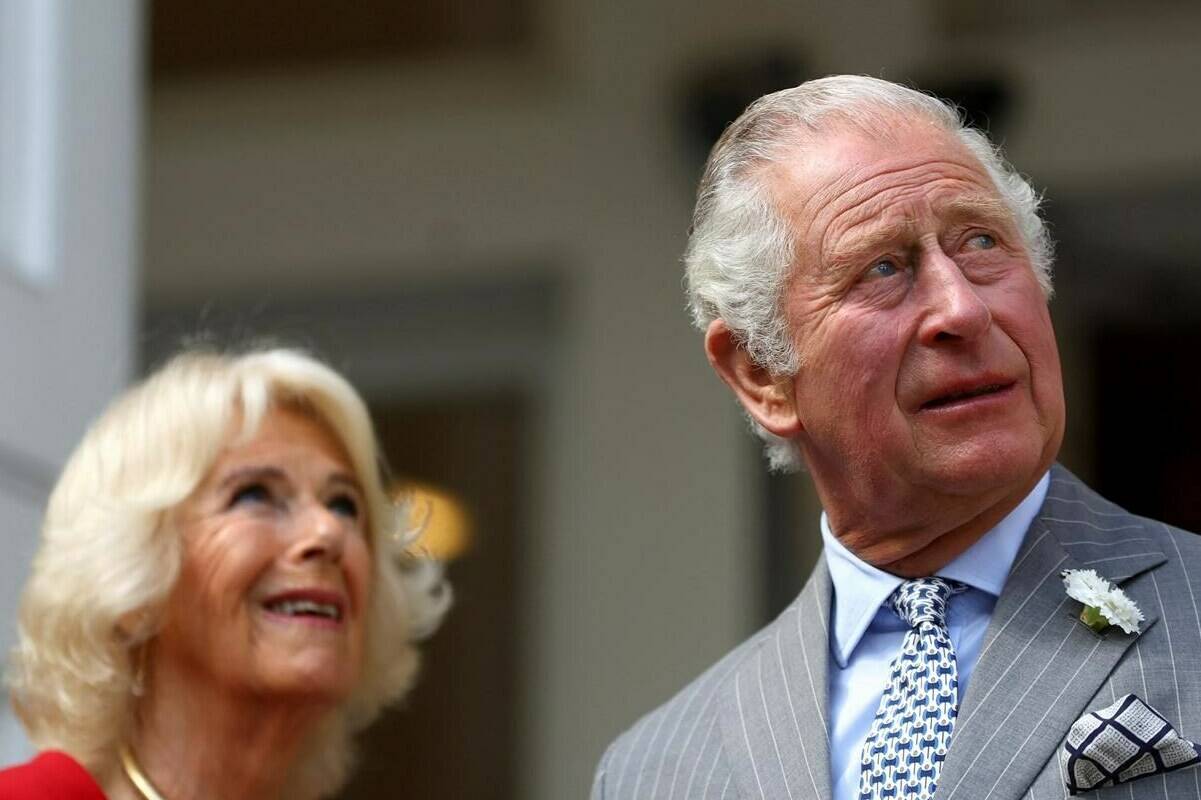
x,y
908,739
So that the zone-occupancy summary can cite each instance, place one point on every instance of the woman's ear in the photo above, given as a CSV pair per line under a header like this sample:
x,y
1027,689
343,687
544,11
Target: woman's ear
x,y
136,627
767,398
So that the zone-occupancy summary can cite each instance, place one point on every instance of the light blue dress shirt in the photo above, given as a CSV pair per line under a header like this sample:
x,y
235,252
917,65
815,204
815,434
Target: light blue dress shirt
x,y
865,637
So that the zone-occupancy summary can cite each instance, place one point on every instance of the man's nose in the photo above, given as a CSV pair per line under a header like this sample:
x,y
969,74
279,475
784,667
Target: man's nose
x,y
954,310
321,535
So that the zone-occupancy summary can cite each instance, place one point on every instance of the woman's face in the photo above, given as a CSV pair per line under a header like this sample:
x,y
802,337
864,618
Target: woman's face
x,y
275,581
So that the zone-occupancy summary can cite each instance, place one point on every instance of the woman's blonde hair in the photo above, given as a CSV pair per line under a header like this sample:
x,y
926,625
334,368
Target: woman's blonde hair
x,y
109,558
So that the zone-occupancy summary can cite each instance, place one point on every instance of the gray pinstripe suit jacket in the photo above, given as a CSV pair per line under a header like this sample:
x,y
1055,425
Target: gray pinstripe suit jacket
x,y
754,726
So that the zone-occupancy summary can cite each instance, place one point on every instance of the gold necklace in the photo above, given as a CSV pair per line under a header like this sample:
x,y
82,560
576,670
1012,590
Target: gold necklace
x,y
136,776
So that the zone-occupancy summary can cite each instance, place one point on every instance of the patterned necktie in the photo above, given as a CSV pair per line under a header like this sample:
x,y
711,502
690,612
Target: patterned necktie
x,y
908,739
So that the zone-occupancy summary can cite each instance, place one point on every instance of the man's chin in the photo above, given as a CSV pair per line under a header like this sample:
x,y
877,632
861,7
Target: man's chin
x,y
989,467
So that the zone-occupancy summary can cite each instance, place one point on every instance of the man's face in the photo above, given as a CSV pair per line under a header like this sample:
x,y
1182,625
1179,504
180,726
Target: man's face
x,y
928,362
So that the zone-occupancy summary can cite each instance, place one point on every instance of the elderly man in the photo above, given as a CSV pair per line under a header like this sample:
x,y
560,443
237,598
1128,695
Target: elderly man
x,y
872,281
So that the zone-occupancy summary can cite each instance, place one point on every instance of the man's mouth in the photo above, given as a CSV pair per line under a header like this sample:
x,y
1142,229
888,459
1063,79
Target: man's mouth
x,y
967,394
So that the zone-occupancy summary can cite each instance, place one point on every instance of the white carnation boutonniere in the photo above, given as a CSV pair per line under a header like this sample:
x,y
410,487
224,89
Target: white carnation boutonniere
x,y
1104,603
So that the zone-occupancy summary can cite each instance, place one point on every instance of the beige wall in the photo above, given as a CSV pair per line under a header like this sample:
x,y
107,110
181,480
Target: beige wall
x,y
643,552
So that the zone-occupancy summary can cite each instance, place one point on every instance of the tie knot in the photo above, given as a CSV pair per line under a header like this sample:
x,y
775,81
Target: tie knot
x,y
924,600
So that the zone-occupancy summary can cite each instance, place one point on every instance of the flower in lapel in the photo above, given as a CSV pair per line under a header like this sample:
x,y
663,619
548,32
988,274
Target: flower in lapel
x,y
1104,603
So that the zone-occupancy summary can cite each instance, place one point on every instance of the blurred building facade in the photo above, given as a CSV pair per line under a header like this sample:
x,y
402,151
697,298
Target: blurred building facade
x,y
71,107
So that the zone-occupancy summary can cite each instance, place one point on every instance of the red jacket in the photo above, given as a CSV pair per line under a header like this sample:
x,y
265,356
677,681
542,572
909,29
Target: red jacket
x,y
50,776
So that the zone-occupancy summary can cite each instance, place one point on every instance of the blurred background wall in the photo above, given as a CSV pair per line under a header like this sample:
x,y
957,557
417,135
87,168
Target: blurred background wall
x,y
71,106
476,210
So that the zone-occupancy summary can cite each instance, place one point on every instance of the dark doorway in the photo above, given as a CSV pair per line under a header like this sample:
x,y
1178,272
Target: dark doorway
x,y
1149,437
455,736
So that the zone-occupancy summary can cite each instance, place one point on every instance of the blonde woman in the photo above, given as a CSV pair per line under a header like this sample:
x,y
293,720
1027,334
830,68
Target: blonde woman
x,y
223,594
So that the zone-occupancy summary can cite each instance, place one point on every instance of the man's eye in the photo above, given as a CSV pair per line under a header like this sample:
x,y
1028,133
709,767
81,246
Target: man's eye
x,y
982,241
251,493
344,505
884,268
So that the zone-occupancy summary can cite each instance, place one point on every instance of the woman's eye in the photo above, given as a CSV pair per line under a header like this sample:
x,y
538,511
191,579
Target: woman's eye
x,y
345,505
982,241
251,493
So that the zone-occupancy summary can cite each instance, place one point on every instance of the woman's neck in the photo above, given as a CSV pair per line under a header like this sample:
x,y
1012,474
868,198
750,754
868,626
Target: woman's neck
x,y
195,740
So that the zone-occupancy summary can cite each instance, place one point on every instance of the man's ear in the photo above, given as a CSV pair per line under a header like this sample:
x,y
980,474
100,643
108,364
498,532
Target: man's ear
x,y
768,399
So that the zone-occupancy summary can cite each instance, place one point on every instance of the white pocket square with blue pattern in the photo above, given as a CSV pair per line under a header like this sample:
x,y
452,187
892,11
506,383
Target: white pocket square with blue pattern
x,y
1121,743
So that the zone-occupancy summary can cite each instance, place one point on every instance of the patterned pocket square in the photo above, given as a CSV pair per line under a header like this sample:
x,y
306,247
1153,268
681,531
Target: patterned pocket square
x,y
1124,742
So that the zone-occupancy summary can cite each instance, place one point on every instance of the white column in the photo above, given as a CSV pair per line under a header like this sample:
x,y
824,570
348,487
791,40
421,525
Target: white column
x,y
70,110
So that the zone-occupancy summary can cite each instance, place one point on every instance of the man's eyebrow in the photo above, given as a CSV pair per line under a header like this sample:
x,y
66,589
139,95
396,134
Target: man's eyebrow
x,y
961,208
847,253
975,207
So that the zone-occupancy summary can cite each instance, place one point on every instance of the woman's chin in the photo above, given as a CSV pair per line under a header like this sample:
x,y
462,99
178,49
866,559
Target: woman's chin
x,y
307,678
307,661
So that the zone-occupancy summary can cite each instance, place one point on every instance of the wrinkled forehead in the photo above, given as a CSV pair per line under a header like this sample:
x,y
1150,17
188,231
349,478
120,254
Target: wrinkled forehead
x,y
849,181
847,156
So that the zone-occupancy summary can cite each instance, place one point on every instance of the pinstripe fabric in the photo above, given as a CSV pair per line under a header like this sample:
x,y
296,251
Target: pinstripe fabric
x,y
769,693
1040,669
754,726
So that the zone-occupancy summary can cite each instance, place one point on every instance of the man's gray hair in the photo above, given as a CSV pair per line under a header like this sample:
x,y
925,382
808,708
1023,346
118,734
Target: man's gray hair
x,y
741,248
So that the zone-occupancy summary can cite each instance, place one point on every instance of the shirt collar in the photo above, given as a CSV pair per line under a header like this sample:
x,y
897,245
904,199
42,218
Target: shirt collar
x,y
860,589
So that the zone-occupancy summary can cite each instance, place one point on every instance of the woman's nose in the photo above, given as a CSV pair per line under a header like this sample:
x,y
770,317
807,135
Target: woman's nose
x,y
322,534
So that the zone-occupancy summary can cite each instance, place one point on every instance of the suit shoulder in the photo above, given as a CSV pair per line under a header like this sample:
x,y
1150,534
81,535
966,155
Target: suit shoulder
x,y
670,744
1072,501
1177,541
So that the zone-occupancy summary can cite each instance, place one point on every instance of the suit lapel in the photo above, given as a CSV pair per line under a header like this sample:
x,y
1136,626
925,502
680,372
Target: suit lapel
x,y
773,710
1039,665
